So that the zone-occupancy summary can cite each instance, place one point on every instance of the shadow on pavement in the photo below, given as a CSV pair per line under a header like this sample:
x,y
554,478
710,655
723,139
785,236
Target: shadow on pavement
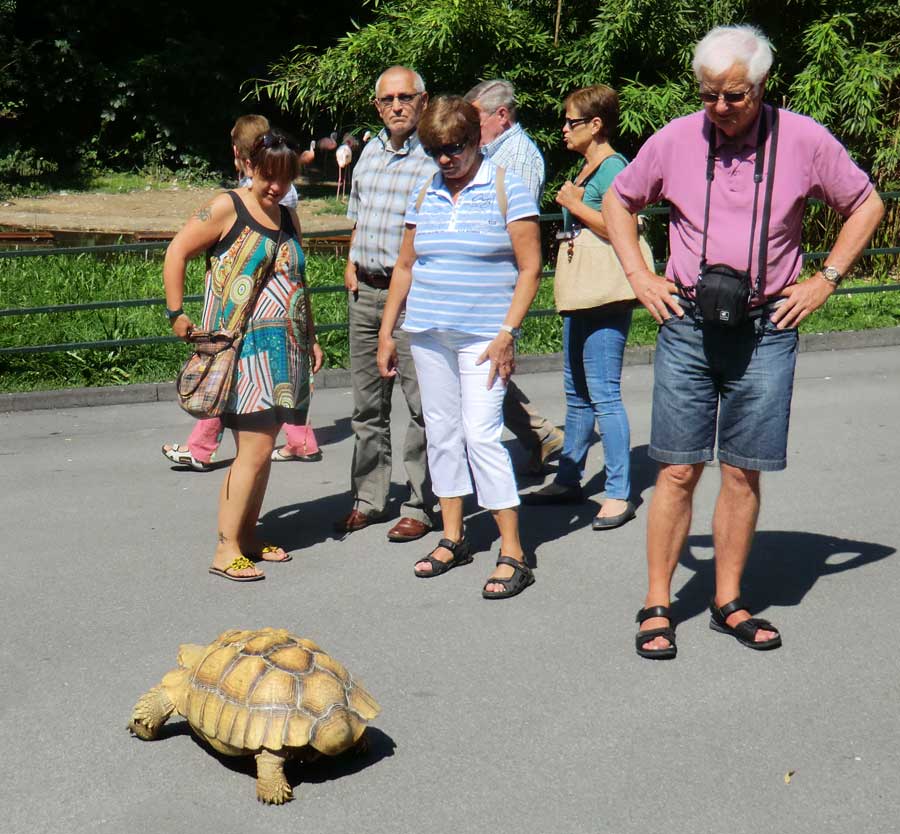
x,y
336,432
783,566
318,770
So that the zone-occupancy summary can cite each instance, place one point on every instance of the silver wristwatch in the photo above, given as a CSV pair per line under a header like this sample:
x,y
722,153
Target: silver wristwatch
x,y
515,332
832,276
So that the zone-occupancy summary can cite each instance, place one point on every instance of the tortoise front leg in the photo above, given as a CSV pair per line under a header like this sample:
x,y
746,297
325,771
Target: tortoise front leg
x,y
150,712
271,784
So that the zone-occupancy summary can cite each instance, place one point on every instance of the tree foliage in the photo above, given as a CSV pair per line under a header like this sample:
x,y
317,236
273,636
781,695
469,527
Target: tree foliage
x,y
836,60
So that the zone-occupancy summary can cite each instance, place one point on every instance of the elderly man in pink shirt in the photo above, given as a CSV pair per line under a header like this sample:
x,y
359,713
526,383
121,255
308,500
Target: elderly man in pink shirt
x,y
728,307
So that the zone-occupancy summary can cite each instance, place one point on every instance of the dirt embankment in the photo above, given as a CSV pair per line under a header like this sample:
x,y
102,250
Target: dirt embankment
x,y
136,211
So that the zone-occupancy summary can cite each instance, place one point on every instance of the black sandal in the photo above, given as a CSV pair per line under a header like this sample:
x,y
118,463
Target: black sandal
x,y
646,636
744,632
462,555
518,582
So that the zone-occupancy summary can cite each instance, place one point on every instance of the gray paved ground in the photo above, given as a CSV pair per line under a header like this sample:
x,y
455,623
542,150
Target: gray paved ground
x,y
533,715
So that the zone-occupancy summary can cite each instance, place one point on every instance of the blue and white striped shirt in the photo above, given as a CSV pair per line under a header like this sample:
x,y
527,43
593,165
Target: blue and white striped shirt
x,y
514,150
465,270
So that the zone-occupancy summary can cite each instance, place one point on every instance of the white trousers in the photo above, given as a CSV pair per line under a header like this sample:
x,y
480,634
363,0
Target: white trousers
x,y
463,419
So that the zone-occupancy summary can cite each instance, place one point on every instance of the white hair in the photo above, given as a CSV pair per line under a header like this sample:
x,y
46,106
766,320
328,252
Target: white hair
x,y
494,94
418,83
725,46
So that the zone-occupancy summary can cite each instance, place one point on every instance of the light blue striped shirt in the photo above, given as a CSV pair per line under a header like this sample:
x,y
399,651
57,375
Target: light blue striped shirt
x,y
514,150
465,269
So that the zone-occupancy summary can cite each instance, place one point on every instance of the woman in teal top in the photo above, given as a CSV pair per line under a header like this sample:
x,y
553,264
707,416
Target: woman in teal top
x,y
593,339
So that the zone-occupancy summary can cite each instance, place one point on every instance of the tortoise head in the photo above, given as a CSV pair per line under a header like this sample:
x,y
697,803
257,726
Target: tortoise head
x,y
189,655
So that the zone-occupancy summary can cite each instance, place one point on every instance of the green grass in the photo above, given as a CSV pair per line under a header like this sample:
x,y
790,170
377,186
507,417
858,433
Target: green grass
x,y
44,281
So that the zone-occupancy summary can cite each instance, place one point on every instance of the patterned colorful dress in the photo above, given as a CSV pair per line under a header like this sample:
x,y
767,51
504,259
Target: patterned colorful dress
x,y
273,368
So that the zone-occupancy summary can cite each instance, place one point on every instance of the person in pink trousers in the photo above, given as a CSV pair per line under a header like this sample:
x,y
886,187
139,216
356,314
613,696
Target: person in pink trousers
x,y
201,445
203,441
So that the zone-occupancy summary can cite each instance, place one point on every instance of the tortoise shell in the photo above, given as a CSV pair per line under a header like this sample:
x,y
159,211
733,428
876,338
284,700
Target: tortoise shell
x,y
271,689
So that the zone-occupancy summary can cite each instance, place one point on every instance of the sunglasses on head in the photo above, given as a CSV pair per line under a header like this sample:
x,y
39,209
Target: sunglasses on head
x,y
276,140
708,97
446,150
403,98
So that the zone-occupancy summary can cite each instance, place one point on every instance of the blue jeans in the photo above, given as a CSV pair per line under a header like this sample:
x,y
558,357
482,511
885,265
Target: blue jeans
x,y
593,346
734,382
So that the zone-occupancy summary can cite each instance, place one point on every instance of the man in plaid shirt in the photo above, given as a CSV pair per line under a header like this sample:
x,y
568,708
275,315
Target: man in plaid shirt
x,y
390,167
508,146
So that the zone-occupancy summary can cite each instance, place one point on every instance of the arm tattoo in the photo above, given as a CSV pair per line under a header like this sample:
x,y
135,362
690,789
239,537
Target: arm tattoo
x,y
203,214
222,538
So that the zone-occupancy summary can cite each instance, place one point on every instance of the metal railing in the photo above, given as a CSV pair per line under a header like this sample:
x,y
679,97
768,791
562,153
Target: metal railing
x,y
107,344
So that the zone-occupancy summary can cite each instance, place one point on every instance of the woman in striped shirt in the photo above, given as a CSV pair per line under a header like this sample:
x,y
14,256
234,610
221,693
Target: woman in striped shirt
x,y
467,273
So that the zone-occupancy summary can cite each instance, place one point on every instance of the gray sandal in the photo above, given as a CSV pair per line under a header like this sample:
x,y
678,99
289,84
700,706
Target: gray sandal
x,y
462,555
518,582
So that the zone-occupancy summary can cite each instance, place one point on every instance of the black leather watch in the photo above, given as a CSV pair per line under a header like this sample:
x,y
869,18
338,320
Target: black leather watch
x,y
174,314
515,332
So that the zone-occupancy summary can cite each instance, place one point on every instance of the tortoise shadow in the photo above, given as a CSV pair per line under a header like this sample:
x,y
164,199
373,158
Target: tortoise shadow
x,y
297,771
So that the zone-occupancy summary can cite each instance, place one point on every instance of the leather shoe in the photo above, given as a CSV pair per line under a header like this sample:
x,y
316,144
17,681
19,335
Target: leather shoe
x,y
613,521
554,493
356,520
408,530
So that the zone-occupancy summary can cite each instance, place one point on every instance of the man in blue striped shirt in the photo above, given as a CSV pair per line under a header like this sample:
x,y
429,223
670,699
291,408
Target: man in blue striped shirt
x,y
389,169
508,146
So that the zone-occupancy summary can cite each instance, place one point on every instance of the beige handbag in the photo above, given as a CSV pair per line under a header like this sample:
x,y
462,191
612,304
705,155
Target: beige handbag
x,y
588,272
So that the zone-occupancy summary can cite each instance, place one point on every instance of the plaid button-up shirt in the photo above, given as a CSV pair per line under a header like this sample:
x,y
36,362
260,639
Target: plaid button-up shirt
x,y
514,151
382,183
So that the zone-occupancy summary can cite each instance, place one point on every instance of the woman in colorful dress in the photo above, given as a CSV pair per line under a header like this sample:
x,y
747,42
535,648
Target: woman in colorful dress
x,y
242,231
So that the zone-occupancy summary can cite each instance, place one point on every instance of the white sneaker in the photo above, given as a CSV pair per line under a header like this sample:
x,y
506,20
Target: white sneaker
x,y
183,457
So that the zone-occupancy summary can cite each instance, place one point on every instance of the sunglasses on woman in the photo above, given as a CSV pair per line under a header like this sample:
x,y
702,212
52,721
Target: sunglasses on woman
x,y
446,150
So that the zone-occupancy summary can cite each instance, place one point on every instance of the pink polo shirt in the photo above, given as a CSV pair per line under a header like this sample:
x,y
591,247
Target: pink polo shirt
x,y
671,166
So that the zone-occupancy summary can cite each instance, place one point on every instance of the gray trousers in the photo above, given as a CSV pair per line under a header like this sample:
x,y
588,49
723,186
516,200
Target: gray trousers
x,y
370,472
530,428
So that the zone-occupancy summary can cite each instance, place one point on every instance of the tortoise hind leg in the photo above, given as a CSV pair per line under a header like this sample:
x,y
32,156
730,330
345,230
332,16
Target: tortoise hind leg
x,y
150,712
271,784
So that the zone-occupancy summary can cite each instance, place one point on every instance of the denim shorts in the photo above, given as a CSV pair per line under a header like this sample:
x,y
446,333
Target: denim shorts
x,y
740,378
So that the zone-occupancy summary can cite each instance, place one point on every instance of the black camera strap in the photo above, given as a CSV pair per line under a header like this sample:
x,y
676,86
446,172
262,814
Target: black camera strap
x,y
757,179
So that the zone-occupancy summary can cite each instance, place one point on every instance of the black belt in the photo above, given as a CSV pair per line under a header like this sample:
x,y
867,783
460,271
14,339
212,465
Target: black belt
x,y
376,280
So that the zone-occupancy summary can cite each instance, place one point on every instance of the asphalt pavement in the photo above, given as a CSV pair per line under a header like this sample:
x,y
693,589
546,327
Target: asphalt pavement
x,y
527,715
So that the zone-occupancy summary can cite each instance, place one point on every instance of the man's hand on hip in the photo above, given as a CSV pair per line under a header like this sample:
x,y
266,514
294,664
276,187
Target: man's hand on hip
x,y
656,294
802,299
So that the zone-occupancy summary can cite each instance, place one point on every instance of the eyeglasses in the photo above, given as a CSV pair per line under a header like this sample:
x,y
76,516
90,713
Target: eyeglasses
x,y
709,97
276,140
403,98
446,150
573,123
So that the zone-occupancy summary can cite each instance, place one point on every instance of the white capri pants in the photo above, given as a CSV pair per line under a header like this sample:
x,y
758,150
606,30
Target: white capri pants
x,y
463,419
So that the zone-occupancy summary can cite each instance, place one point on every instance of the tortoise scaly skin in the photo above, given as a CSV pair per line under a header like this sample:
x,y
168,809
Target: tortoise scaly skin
x,y
265,693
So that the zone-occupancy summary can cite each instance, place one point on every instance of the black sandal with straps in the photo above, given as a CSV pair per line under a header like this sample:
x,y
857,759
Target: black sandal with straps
x,y
646,636
518,582
745,632
462,555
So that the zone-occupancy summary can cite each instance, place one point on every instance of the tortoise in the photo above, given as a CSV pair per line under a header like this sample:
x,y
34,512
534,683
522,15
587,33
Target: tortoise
x,y
266,693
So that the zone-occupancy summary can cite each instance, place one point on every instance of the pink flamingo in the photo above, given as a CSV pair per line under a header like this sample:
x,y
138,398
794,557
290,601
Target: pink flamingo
x,y
343,154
